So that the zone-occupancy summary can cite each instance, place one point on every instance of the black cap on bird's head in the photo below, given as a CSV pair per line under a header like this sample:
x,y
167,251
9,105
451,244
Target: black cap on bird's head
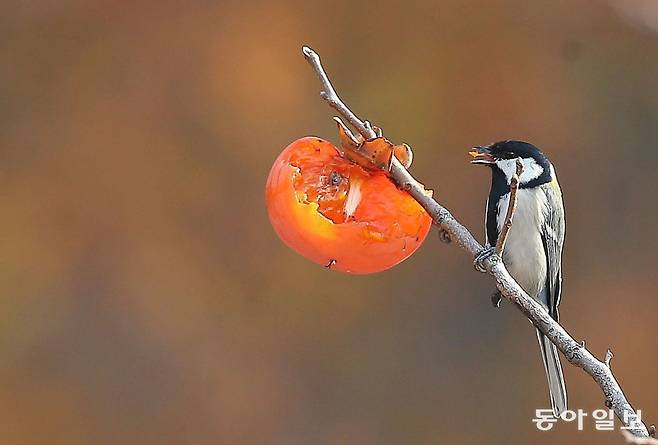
x,y
501,156
489,154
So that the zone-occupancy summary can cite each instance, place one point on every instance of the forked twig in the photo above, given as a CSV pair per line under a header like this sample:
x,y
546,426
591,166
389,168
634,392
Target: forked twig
x,y
575,353
329,94
608,357
511,208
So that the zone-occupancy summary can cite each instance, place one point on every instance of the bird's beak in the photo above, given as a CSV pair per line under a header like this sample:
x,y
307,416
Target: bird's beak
x,y
481,155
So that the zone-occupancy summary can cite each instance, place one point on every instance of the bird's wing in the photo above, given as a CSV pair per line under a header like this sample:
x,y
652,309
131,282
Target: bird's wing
x,y
553,240
491,219
499,188
486,224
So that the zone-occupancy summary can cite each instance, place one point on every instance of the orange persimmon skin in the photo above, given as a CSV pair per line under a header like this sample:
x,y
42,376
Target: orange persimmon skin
x,y
339,215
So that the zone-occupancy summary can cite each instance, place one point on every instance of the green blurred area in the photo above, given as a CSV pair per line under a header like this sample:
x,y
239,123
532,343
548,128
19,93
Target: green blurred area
x,y
146,300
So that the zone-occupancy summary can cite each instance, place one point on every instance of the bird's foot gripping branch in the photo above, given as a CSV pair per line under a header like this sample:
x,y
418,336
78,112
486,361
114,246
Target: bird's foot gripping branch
x,y
491,263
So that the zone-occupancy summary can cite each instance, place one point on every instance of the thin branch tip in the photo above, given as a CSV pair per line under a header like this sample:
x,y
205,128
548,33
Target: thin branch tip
x,y
519,167
309,53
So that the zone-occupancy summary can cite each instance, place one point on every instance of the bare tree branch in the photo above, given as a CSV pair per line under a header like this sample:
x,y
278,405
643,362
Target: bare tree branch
x,y
329,94
575,352
638,440
511,208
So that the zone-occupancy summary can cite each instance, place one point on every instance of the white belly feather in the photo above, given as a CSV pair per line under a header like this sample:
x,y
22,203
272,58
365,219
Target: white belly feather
x,y
524,252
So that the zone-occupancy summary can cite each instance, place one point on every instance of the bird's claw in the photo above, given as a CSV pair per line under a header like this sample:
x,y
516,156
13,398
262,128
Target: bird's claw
x,y
496,298
483,255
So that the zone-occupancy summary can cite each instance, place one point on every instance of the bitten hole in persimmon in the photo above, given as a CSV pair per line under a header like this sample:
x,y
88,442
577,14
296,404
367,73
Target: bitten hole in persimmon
x,y
335,186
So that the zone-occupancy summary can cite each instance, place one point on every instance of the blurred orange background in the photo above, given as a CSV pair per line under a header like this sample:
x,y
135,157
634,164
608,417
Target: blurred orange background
x,y
146,299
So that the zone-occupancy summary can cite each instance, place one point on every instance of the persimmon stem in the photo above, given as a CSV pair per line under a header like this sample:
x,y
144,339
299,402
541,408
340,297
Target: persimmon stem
x,y
574,352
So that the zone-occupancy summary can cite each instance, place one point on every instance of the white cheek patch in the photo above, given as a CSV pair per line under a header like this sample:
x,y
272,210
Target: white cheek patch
x,y
531,170
507,166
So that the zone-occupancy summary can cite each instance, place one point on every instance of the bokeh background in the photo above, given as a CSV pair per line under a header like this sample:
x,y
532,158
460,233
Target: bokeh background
x,y
145,298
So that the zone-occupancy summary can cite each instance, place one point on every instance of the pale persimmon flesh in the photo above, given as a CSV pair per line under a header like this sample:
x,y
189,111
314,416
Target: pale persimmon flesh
x,y
339,215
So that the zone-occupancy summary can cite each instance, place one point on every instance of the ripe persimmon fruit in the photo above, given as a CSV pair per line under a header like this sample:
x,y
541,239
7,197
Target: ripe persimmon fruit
x,y
338,214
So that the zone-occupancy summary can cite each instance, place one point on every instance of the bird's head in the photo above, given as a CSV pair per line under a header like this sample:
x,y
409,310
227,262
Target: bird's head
x,y
501,157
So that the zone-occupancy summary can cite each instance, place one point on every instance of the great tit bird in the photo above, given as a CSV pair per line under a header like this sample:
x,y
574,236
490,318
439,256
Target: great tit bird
x,y
533,250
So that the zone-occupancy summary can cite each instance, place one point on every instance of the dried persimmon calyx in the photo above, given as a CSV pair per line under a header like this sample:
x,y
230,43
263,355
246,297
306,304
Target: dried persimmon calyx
x,y
347,139
371,154
404,154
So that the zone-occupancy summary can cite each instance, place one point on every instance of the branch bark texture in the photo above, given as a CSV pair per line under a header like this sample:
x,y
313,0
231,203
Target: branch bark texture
x,y
575,352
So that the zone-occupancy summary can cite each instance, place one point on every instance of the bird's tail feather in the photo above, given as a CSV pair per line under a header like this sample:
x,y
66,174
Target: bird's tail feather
x,y
556,387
